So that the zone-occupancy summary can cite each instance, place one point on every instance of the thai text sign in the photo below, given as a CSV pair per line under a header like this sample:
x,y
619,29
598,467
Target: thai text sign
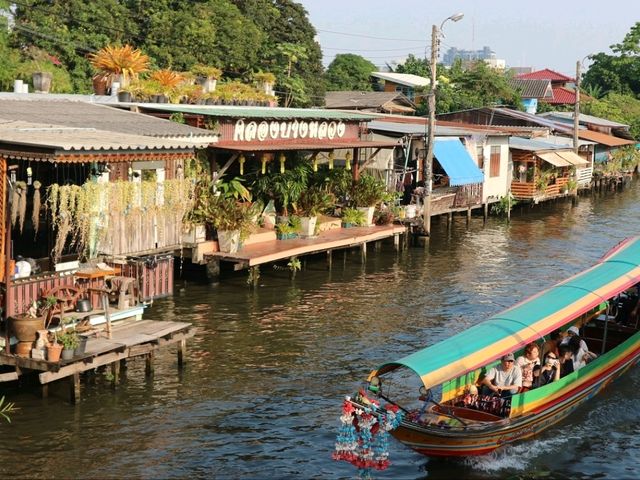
x,y
309,130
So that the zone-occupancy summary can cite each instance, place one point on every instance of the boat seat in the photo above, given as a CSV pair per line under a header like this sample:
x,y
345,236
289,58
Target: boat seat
x,y
468,413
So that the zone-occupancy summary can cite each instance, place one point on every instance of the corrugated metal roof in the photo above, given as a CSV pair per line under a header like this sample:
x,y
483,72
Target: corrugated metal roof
x,y
564,141
532,145
546,74
60,137
531,88
562,96
257,112
604,139
406,79
417,129
351,100
583,118
81,114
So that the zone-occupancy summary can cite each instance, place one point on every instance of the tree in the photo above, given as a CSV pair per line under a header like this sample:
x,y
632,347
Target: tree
x,y
620,72
414,66
349,72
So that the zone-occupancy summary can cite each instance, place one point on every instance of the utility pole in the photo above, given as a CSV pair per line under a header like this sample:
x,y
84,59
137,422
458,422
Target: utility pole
x,y
427,167
430,125
576,111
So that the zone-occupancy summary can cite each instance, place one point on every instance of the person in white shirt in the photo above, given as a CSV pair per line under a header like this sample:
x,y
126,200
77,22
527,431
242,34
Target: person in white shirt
x,y
526,363
504,379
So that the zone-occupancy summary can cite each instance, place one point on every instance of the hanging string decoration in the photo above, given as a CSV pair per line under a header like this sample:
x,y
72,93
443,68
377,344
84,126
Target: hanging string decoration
x,y
363,437
241,160
347,159
282,159
15,200
332,157
37,203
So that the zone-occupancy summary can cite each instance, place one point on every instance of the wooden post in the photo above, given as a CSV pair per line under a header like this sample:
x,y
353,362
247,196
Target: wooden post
x,y
396,241
148,368
213,269
363,250
74,388
329,259
486,211
44,390
115,373
449,220
255,275
182,352
107,315
344,259
468,216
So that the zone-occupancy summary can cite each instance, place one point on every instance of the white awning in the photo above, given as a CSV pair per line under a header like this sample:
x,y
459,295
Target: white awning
x,y
554,159
573,159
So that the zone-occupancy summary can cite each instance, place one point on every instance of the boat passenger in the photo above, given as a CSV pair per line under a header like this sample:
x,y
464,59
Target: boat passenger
x,y
526,363
580,355
571,332
566,360
536,376
550,371
504,379
551,345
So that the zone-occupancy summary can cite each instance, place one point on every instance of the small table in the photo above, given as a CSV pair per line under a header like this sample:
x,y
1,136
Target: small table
x,y
94,279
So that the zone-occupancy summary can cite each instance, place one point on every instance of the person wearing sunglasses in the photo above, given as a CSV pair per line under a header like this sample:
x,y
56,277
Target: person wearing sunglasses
x,y
549,371
505,379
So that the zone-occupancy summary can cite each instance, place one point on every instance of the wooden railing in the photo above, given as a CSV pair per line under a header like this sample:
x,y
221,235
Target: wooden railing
x,y
23,291
528,191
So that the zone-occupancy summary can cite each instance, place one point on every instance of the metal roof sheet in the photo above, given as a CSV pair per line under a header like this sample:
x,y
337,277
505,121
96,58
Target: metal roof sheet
x,y
353,100
406,79
40,108
604,139
532,88
60,137
419,129
258,112
532,145
583,118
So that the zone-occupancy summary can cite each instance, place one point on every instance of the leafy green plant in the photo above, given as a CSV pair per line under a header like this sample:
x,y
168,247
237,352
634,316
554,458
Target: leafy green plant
x,y
69,339
6,409
368,191
200,70
294,264
353,216
315,201
501,207
234,188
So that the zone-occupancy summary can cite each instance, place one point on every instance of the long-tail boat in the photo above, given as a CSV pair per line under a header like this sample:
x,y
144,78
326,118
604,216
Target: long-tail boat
x,y
434,417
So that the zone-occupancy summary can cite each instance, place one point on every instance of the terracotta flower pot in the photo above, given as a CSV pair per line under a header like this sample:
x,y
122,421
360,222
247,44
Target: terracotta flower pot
x,y
24,328
53,352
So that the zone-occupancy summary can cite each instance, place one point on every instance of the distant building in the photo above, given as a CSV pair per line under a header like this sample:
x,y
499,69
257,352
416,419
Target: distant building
x,y
379,102
405,83
467,56
563,86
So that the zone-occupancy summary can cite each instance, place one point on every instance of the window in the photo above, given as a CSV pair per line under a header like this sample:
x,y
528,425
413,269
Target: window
x,y
494,168
480,157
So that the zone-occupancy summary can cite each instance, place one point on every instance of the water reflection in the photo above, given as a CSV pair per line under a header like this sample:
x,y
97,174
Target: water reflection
x,y
260,395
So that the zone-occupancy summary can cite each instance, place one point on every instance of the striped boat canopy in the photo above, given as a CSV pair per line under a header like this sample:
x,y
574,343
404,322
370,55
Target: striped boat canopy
x,y
527,321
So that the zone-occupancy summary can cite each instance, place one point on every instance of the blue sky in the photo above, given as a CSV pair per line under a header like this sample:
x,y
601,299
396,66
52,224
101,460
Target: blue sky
x,y
539,33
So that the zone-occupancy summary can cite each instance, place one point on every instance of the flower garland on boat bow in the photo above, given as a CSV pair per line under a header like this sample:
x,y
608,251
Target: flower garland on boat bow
x,y
363,437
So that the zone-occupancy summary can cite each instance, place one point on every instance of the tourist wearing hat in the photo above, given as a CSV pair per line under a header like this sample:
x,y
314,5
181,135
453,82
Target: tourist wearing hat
x,y
504,379
573,331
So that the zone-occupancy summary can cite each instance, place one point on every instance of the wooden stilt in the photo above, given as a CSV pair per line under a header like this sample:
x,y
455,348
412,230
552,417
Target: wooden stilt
x,y
468,217
329,259
182,352
255,275
115,373
396,242
378,246
485,211
363,250
148,370
44,390
344,259
74,388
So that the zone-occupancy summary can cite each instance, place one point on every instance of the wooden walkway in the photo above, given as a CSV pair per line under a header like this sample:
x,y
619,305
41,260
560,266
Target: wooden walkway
x,y
129,339
274,250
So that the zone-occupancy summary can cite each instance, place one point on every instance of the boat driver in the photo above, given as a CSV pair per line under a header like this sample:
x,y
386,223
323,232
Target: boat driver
x,y
504,379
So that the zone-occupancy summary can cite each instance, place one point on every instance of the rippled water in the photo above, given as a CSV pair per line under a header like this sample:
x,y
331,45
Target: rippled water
x,y
261,393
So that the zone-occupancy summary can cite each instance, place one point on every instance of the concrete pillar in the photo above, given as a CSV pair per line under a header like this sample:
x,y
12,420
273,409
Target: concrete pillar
x,y
213,269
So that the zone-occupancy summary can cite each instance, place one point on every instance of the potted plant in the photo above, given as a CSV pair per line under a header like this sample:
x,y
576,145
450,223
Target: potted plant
x,y
206,76
265,81
353,217
169,82
313,202
54,349
70,341
119,64
290,229
366,193
231,219
25,325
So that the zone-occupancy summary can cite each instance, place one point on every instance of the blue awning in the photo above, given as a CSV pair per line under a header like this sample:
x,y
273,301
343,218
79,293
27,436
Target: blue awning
x,y
457,162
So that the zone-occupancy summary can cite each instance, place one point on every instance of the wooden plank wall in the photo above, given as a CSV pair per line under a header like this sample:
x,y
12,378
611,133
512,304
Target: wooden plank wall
x,y
137,232
24,291
3,213
153,282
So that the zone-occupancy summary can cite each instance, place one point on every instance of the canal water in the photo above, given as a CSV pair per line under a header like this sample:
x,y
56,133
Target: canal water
x,y
261,393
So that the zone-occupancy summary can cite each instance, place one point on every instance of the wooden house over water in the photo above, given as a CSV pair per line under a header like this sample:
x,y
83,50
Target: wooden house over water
x,y
377,102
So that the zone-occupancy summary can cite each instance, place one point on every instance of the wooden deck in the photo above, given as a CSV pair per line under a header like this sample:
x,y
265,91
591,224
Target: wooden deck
x,y
129,339
274,250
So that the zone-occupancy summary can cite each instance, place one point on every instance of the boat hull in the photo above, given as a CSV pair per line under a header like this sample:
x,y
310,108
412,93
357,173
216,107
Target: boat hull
x,y
435,441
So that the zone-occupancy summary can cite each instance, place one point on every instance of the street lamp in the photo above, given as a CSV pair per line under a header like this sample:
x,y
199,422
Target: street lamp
x,y
436,33
576,111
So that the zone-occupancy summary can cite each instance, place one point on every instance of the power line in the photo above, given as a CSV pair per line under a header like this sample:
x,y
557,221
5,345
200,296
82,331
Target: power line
x,y
370,36
373,50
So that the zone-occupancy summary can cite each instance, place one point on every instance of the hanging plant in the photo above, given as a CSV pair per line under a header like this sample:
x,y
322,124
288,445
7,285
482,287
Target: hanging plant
x,y
21,189
35,215
15,200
